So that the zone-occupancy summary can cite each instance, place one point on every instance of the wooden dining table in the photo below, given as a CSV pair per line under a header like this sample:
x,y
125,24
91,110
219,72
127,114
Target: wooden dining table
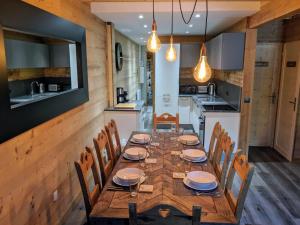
x,y
112,205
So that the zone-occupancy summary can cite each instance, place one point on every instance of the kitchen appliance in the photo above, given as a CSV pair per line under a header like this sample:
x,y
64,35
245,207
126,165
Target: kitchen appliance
x,y
202,89
121,95
54,87
211,89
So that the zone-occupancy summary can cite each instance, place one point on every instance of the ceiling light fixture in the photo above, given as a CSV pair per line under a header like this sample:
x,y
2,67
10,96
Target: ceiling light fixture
x,y
191,25
202,71
141,16
145,25
171,52
187,32
197,15
153,44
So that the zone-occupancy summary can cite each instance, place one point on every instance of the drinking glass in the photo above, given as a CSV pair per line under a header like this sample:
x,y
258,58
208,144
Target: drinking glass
x,y
134,188
141,160
181,131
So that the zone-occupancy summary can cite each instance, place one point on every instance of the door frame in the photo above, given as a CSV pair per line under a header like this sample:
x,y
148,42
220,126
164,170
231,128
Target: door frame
x,y
290,154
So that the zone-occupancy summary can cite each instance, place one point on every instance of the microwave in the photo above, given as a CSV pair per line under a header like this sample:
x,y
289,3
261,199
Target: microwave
x,y
54,87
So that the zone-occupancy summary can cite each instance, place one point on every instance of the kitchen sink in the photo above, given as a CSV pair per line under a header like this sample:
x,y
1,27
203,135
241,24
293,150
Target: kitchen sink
x,y
30,98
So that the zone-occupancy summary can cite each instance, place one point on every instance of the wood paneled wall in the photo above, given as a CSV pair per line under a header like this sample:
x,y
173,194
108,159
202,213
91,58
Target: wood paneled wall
x,y
36,163
128,77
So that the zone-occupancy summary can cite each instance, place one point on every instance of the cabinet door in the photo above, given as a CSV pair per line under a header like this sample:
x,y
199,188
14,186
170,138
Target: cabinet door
x,y
24,54
184,110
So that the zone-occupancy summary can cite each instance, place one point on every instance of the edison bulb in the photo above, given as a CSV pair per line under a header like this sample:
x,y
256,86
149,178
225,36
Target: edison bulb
x,y
171,52
202,71
153,44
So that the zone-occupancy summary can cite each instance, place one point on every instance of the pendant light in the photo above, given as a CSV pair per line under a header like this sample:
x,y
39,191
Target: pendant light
x,y
202,71
171,52
153,44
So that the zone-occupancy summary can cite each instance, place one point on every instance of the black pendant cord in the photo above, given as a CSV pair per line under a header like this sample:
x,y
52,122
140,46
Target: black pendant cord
x,y
153,10
206,21
172,21
189,20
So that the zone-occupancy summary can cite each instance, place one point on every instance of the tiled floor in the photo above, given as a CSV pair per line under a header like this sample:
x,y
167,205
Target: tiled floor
x,y
273,198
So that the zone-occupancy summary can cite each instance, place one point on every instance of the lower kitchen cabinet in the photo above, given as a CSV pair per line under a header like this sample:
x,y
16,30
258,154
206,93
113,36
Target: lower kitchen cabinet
x,y
184,108
229,121
127,121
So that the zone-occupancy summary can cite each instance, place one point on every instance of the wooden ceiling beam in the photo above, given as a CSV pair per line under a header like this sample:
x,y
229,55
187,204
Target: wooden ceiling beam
x,y
182,39
276,9
89,1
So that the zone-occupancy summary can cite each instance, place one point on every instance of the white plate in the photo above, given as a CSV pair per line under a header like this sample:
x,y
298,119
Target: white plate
x,y
207,188
117,181
134,159
193,154
129,174
189,140
195,160
198,178
133,152
140,138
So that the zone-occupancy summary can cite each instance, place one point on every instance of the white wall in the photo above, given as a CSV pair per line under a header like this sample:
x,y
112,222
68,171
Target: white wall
x,y
166,81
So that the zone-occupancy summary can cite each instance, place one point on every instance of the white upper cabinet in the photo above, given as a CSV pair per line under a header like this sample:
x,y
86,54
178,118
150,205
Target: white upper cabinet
x,y
226,51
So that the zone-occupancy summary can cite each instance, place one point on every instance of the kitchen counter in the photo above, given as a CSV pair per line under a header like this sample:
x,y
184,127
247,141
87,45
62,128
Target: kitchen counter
x,y
138,108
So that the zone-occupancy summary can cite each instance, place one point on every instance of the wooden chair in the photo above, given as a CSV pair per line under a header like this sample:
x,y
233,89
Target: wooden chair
x,y
104,155
245,171
225,147
165,118
163,215
215,140
114,140
83,166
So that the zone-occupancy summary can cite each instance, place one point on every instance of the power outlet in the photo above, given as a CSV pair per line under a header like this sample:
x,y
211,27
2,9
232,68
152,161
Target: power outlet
x,y
55,195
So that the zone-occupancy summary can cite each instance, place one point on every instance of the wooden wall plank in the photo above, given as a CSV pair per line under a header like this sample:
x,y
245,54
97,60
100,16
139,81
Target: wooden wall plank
x,y
36,163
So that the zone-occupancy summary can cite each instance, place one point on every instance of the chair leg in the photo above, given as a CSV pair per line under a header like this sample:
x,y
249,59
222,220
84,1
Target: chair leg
x,y
132,214
196,215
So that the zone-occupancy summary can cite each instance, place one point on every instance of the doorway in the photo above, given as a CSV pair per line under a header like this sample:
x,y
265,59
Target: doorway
x,y
288,97
276,88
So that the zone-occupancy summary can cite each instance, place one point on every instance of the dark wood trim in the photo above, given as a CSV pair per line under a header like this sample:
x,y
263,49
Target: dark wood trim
x,y
23,17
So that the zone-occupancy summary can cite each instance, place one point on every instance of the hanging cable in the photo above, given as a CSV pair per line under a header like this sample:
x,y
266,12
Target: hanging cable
x,y
206,21
189,20
172,20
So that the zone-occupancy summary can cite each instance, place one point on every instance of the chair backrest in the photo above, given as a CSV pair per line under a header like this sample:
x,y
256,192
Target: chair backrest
x,y
221,163
163,215
114,140
84,166
245,171
166,118
104,155
215,140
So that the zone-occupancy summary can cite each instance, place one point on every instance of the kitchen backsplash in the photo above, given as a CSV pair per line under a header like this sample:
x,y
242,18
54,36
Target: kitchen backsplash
x,y
233,77
229,92
22,87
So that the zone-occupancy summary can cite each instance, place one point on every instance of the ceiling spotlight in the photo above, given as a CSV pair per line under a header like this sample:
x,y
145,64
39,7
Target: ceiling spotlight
x,y
145,41
141,38
191,25
141,16
145,25
187,32
197,15
149,32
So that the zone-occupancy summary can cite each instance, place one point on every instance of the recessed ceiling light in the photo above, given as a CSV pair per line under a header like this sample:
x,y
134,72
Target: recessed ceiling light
x,y
197,15
145,25
141,38
141,16
191,25
144,41
149,32
187,32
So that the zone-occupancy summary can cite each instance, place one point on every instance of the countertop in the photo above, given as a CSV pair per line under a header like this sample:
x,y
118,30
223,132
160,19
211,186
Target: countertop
x,y
138,108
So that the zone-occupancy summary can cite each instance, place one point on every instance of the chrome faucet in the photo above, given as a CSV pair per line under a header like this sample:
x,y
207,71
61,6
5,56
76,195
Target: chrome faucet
x,y
31,87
